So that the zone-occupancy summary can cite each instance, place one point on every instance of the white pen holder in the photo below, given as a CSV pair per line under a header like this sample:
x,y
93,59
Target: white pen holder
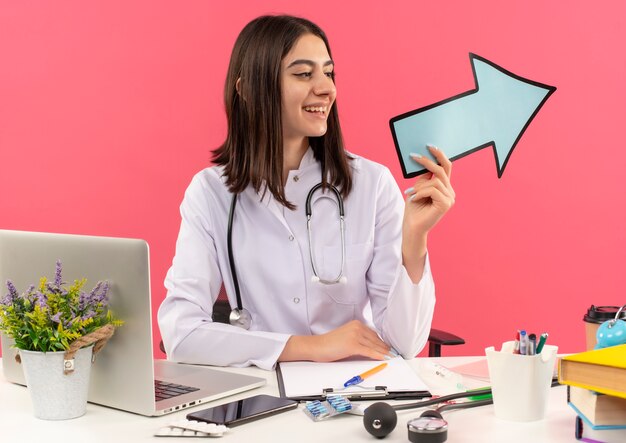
x,y
520,383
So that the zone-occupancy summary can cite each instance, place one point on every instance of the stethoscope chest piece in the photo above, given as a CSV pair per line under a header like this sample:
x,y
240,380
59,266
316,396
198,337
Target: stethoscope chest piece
x,y
428,429
240,318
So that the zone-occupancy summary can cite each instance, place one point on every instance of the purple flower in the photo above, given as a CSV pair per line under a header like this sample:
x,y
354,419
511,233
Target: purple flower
x,y
10,298
42,300
56,317
93,295
105,291
85,300
12,291
58,281
98,295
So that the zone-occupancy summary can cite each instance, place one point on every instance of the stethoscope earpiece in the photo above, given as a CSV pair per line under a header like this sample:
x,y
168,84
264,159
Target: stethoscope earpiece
x,y
380,419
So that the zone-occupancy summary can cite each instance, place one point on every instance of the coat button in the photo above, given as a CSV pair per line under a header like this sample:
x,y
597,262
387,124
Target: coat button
x,y
296,178
296,300
291,238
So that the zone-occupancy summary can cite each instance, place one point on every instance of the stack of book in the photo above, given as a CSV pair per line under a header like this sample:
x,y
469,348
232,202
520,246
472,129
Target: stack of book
x,y
597,392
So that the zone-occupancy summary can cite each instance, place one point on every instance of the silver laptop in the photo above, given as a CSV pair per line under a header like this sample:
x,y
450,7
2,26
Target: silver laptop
x,y
125,375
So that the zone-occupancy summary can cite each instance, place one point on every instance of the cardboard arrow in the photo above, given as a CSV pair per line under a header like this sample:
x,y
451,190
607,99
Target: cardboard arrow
x,y
496,113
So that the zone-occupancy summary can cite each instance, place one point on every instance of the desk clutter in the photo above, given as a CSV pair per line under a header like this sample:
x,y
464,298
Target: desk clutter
x,y
520,381
596,379
191,428
596,382
528,343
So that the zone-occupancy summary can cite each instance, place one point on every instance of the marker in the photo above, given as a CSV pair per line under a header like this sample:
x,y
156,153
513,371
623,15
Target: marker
x,y
359,378
532,344
516,345
523,342
542,341
479,397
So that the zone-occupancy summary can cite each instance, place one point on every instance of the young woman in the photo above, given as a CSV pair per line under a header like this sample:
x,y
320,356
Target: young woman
x,y
325,289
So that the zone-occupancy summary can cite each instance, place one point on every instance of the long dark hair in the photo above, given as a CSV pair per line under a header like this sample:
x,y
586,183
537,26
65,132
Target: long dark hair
x,y
253,150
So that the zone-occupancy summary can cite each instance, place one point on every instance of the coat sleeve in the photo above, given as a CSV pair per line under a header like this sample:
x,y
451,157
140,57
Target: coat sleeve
x,y
402,310
193,283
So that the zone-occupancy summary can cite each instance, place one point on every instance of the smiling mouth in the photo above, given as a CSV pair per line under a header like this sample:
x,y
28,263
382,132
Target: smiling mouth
x,y
319,110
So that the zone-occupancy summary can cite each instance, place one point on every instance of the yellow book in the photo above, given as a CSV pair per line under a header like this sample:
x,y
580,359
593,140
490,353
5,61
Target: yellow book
x,y
600,370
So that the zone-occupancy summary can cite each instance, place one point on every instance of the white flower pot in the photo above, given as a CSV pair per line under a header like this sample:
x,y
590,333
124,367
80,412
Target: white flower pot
x,y
55,395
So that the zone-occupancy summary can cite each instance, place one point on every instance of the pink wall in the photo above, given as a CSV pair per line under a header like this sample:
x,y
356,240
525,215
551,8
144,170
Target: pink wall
x,y
107,109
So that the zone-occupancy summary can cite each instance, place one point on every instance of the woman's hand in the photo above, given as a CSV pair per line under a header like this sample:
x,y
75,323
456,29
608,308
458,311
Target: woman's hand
x,y
427,201
351,339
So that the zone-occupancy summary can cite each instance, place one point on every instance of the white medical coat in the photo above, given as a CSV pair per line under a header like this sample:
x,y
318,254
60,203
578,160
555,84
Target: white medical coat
x,y
271,252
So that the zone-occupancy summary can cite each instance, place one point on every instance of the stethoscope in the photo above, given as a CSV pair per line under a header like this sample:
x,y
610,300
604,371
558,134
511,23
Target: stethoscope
x,y
240,316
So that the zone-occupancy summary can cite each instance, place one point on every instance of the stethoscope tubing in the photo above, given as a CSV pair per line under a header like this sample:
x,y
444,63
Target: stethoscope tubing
x,y
309,213
231,259
240,313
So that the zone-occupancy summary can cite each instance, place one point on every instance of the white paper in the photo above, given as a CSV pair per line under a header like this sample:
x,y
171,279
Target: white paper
x,y
303,379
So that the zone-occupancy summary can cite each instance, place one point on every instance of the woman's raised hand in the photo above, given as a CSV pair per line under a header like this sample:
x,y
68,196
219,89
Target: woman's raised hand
x,y
427,201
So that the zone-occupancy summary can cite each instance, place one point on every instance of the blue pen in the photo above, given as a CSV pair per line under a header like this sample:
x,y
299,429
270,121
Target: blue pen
x,y
359,378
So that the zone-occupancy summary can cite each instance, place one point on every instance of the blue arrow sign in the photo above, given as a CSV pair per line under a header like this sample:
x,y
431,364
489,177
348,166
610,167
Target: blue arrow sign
x,y
496,114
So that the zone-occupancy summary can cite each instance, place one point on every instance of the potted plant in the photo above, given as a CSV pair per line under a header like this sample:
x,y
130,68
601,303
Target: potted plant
x,y
54,327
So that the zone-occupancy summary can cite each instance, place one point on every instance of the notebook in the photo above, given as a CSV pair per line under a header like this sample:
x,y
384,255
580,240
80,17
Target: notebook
x,y
125,375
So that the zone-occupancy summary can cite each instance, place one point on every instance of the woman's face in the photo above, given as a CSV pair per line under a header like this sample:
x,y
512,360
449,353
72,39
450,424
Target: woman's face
x,y
308,90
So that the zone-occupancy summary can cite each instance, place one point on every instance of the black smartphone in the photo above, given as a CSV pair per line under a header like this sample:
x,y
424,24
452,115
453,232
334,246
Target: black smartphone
x,y
243,411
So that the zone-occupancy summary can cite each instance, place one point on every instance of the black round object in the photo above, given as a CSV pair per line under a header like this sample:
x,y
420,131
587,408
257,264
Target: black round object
x,y
380,419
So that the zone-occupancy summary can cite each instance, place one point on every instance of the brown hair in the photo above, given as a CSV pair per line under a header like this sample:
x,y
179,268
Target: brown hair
x,y
253,150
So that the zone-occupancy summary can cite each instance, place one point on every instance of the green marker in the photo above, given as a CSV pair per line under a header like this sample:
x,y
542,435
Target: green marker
x,y
478,397
542,341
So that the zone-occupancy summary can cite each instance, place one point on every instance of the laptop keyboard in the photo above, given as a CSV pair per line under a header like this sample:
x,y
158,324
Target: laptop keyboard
x,y
163,390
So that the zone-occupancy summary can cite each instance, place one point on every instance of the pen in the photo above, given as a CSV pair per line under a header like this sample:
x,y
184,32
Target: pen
x,y
359,378
516,346
532,344
542,341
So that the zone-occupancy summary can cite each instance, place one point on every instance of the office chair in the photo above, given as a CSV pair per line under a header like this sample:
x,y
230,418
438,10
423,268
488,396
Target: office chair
x,y
436,339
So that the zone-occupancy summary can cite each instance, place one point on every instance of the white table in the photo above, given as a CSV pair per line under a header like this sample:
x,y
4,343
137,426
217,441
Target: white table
x,y
102,424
